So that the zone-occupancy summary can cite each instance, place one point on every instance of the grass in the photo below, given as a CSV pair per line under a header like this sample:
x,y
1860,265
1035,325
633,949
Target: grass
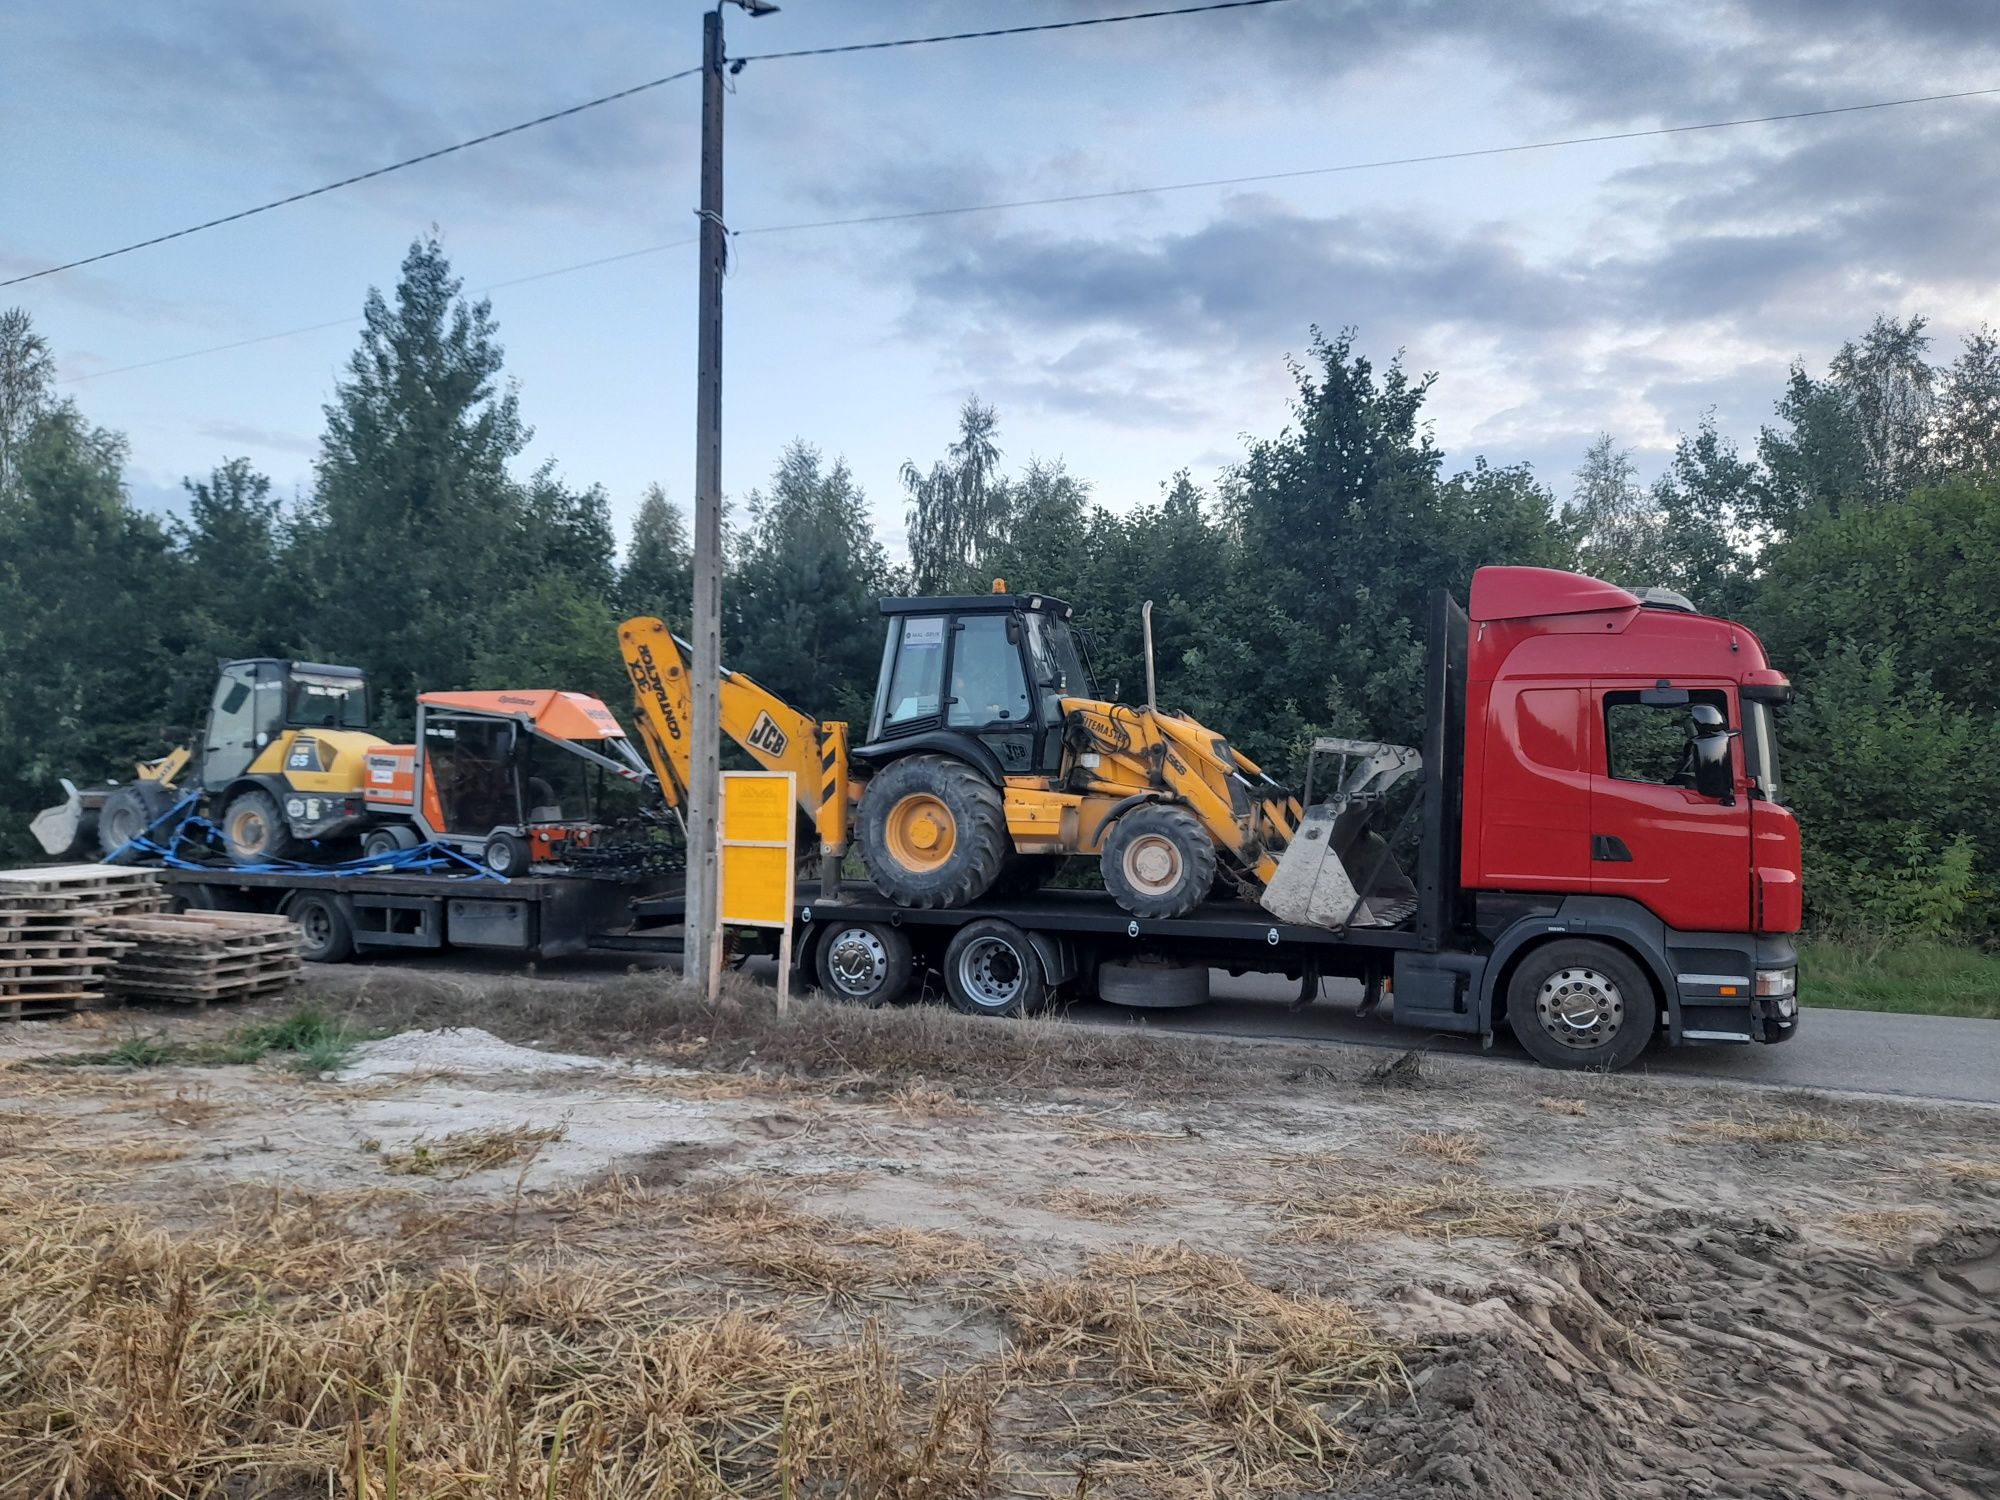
x,y
1915,977
311,1040
464,1152
1450,1209
1792,1128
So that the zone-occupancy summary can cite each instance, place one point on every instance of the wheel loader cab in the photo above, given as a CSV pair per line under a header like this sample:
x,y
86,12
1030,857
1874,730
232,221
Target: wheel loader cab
x,y
981,676
258,699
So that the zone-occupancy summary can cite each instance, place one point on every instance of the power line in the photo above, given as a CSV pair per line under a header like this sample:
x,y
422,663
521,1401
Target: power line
x,y
973,36
1131,192
1356,166
397,166
292,333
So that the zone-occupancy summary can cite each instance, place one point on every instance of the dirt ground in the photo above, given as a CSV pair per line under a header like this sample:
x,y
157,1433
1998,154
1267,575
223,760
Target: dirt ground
x,y
615,1244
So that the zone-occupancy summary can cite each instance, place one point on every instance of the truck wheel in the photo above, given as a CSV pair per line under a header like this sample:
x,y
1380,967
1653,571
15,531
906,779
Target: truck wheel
x,y
129,811
1159,861
329,936
253,829
864,963
991,969
1581,1005
933,832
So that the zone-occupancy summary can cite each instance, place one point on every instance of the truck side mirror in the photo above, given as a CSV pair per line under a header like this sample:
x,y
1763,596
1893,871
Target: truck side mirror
x,y
1713,776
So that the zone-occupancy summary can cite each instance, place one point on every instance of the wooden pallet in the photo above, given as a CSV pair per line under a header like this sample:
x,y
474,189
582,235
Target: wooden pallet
x,y
196,957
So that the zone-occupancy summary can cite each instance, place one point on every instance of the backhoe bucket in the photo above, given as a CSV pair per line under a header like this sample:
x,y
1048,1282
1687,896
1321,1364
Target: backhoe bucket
x,y
63,829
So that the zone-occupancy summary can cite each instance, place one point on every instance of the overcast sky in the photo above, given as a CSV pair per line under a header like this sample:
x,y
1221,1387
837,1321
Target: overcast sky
x,y
1620,287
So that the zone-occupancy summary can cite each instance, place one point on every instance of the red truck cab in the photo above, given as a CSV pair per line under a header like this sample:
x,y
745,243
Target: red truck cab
x,y
1620,787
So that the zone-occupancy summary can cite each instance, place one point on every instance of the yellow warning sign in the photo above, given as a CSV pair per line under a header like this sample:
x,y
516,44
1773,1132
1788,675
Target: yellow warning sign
x,y
758,848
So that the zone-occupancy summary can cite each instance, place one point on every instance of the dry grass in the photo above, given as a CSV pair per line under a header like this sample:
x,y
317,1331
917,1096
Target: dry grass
x,y
1449,1209
1455,1148
1888,1227
1090,1131
923,1253
922,1101
1793,1127
1109,1208
1216,1385
1556,1105
464,1152
1961,1170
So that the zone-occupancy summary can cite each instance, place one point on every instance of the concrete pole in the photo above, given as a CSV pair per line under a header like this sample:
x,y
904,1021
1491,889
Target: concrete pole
x,y
704,926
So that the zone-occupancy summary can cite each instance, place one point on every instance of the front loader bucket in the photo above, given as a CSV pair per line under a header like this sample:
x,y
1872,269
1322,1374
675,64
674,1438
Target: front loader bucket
x,y
63,829
1336,872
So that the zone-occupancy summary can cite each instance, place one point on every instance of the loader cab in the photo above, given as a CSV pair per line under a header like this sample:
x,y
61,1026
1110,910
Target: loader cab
x,y
257,699
992,668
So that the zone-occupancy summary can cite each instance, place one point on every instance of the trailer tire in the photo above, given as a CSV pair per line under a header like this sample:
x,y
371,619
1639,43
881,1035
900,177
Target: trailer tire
x,y
992,969
129,811
1581,1004
254,829
322,922
1159,861
932,831
863,963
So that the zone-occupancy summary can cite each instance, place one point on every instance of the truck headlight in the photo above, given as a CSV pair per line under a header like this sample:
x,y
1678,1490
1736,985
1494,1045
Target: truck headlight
x,y
1777,981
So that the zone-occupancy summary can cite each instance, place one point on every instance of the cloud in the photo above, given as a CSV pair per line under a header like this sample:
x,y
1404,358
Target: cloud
x,y
247,435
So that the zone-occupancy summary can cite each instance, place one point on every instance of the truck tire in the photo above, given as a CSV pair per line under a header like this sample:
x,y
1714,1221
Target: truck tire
x,y
863,963
933,832
322,921
1152,983
254,829
129,811
1581,1004
991,969
1159,861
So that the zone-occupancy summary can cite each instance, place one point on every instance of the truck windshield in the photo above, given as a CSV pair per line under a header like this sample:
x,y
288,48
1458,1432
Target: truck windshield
x,y
1058,663
1760,749
313,701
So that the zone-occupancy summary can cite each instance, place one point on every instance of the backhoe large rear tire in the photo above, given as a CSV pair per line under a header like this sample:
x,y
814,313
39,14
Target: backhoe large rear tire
x,y
1159,861
254,830
932,831
129,811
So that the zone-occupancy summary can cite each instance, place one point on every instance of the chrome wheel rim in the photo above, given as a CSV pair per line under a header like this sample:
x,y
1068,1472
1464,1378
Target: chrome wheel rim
x,y
1580,1008
989,971
856,962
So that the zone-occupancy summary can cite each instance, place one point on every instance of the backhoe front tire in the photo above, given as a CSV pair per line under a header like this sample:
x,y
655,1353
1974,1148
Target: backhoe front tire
x,y
129,811
1159,861
932,832
254,830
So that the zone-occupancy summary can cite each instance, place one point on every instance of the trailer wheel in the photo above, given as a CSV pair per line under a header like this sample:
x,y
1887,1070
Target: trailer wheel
x,y
991,969
863,963
130,811
1581,1005
329,936
932,831
1159,861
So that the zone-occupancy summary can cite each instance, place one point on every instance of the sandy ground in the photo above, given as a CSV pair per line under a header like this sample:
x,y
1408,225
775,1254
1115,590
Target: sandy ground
x,y
1226,1270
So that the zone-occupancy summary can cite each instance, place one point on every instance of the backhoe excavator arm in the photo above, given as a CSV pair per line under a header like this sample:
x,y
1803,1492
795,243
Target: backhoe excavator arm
x,y
773,733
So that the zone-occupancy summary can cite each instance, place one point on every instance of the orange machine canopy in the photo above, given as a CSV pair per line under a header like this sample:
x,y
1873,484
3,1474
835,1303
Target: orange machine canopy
x,y
559,715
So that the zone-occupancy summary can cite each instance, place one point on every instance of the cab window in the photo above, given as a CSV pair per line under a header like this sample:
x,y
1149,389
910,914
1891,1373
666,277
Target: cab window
x,y
1650,742
916,672
988,685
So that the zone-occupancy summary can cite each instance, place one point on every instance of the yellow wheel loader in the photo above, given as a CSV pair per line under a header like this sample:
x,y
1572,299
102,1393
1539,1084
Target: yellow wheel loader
x,y
989,758
280,763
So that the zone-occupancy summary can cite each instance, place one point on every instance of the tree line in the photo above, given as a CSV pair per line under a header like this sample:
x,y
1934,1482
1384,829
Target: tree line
x,y
1858,533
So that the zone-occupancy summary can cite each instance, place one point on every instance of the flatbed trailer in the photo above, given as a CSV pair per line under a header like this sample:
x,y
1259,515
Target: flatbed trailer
x,y
541,916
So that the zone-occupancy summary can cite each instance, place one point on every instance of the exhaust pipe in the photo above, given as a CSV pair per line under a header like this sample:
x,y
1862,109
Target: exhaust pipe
x,y
1146,629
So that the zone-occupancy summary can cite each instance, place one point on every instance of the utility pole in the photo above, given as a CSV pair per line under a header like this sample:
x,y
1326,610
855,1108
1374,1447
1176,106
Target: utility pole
x,y
703,955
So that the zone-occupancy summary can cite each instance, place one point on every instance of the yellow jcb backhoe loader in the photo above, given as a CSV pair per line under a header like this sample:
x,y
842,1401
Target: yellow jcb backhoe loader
x,y
989,757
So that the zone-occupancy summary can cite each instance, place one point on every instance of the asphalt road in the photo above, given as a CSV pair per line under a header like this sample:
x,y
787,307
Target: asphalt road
x,y
1868,1052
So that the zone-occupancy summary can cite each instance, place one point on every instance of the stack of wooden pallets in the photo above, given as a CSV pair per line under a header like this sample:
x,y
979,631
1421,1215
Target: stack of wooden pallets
x,y
200,956
53,954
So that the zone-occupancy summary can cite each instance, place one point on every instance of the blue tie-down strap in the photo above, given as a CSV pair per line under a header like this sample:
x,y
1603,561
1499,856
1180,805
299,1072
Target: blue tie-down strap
x,y
181,839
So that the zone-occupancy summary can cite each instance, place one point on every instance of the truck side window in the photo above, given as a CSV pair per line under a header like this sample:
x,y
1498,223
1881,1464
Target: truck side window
x,y
988,685
1647,742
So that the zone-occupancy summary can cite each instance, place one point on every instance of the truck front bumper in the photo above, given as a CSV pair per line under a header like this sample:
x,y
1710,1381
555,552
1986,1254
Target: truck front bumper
x,y
1734,988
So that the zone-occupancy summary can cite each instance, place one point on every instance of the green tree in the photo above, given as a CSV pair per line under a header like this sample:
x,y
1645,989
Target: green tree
x,y
959,508
658,576
1968,417
1707,500
1621,535
800,604
27,382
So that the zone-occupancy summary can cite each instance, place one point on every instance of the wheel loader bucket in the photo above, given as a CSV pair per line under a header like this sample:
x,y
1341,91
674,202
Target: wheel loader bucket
x,y
1322,872
59,829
